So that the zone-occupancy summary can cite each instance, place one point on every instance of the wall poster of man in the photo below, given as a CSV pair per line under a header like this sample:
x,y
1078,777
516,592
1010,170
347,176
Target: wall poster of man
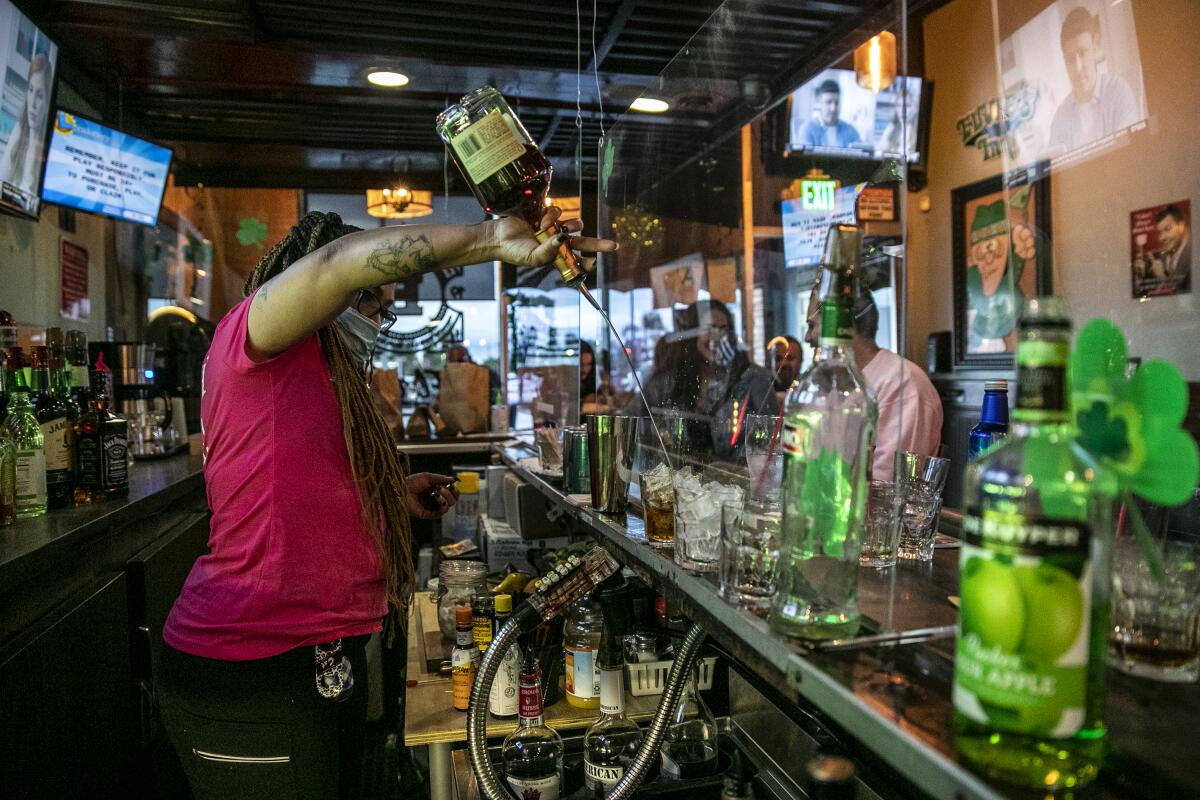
x,y
1001,258
1160,244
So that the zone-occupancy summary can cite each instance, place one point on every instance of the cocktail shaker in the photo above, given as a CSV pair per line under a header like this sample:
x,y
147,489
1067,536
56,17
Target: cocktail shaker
x,y
610,442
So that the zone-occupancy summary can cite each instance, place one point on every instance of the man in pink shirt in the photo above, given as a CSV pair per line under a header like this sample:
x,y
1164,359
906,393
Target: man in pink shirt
x,y
910,409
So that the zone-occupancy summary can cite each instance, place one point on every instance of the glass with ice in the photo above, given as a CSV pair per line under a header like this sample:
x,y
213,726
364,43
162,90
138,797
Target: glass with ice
x,y
698,505
654,483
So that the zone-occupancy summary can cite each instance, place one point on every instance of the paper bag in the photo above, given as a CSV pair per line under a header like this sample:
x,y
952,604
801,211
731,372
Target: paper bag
x,y
463,398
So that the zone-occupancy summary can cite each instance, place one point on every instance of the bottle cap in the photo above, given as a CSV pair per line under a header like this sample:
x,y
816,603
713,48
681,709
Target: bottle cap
x,y
503,604
468,482
463,617
995,386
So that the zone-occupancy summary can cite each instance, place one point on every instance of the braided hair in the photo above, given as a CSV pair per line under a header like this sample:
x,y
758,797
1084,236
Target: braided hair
x,y
374,463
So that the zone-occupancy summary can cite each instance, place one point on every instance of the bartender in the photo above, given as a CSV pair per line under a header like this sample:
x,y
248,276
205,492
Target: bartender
x,y
910,410
263,677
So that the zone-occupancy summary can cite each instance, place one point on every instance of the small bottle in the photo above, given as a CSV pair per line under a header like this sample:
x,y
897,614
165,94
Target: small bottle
x,y
533,753
993,422
58,433
466,510
29,456
101,445
581,641
76,351
612,741
689,748
482,622
463,659
830,778
502,703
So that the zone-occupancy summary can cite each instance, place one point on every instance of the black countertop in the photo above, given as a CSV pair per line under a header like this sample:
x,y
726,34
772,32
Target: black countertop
x,y
30,546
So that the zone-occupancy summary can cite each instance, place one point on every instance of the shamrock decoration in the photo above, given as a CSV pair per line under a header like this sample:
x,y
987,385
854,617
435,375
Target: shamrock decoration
x,y
252,231
1132,425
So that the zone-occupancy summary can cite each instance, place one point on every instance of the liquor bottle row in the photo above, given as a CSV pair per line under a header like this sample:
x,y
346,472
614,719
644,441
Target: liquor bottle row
x,y
60,446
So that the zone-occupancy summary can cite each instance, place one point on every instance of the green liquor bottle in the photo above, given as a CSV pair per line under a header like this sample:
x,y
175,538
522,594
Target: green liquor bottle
x,y
1036,570
829,425
30,461
58,429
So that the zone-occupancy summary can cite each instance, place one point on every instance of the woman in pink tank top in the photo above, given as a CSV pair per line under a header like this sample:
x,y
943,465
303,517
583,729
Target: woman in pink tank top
x,y
262,681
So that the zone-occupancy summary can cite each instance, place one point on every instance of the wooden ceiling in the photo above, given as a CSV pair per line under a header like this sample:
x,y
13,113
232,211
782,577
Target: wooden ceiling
x,y
272,92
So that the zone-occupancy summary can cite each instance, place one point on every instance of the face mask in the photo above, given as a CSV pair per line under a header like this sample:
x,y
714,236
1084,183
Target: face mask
x,y
359,333
723,352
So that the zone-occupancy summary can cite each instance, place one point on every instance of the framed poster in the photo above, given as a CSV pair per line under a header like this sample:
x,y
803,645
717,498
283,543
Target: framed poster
x,y
1001,258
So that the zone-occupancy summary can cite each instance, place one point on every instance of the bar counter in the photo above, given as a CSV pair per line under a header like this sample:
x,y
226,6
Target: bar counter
x,y
891,701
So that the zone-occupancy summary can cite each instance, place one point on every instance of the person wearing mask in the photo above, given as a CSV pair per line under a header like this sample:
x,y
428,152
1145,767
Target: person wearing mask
x,y
262,679
702,374
910,409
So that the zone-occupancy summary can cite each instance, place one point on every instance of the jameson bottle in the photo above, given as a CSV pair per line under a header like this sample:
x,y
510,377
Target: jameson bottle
x,y
533,753
29,456
503,701
506,171
101,447
829,424
58,430
1036,569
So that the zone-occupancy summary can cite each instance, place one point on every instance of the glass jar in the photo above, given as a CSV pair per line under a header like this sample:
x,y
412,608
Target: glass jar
x,y
458,582
581,646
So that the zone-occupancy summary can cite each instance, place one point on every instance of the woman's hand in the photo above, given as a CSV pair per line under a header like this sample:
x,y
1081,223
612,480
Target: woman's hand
x,y
430,496
514,243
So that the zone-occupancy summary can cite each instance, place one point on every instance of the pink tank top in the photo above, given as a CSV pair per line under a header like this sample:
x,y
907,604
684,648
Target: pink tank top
x,y
291,562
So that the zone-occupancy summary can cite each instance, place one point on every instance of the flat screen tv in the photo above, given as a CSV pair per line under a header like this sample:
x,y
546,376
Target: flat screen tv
x,y
832,115
94,168
29,59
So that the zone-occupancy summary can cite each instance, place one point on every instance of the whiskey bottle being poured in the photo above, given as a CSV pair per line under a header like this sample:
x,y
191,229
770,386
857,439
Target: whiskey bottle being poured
x,y
506,171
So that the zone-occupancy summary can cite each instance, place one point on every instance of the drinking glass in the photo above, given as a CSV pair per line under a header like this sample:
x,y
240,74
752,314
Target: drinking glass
x,y
930,470
764,456
919,510
699,502
654,484
881,535
749,554
1155,630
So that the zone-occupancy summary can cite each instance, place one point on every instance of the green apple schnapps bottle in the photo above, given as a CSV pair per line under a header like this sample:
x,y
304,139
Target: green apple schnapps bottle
x,y
829,425
1036,569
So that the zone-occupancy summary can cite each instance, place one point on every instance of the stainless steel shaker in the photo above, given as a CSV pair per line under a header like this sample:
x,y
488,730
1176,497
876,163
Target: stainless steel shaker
x,y
611,441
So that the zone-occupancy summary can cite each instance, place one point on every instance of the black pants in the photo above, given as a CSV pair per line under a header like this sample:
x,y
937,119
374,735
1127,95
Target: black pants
x,y
258,729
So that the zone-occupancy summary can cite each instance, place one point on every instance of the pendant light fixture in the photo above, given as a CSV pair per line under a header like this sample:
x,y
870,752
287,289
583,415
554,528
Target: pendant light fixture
x,y
398,202
875,62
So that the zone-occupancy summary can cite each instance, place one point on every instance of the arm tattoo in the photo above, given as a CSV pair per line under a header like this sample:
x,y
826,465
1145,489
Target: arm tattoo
x,y
406,258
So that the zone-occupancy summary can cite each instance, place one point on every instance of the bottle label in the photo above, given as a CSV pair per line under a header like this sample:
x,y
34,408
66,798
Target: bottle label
x,y
503,700
1041,380
582,673
487,145
536,788
116,462
57,433
91,462
1021,657
531,702
31,477
837,323
792,439
482,632
601,777
462,675
79,377
611,701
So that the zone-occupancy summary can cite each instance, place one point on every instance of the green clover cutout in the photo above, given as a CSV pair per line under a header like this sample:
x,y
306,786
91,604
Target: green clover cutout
x,y
1132,425
825,500
252,231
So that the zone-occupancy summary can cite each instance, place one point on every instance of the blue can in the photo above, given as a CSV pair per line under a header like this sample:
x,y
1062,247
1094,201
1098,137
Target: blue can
x,y
993,422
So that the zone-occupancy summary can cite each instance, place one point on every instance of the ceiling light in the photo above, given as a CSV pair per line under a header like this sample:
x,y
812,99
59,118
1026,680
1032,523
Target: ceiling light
x,y
875,62
388,78
398,202
649,105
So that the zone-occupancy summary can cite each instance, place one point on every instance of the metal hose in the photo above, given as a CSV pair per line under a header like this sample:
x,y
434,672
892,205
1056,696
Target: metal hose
x,y
490,785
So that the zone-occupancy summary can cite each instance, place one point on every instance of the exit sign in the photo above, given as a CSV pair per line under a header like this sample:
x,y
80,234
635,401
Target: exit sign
x,y
817,195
